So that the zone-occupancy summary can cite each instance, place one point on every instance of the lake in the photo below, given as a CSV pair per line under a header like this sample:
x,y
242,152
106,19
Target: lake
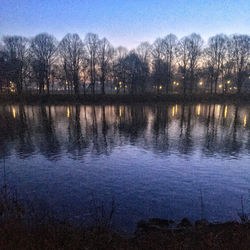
x,y
164,160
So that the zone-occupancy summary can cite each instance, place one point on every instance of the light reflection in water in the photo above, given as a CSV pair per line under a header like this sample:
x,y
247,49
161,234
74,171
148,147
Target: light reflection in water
x,y
173,111
199,110
138,121
218,110
245,121
140,157
225,112
14,112
120,111
68,112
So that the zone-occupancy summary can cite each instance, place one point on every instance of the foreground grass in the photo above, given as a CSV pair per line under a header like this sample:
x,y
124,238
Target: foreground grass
x,y
55,235
23,228
120,98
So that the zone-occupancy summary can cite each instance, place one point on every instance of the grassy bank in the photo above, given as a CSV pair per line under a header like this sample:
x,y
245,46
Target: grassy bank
x,y
55,235
23,228
124,99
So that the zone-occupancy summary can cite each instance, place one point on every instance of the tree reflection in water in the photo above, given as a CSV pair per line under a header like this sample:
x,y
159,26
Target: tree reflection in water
x,y
212,129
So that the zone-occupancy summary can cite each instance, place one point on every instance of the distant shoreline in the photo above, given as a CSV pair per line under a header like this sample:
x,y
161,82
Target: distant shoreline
x,y
124,99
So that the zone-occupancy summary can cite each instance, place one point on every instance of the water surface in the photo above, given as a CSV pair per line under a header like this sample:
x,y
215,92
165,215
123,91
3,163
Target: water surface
x,y
168,161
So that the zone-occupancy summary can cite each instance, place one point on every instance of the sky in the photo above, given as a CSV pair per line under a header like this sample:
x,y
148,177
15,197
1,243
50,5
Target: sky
x,y
124,22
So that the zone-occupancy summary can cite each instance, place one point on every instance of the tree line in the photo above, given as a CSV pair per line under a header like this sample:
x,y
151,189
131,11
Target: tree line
x,y
168,65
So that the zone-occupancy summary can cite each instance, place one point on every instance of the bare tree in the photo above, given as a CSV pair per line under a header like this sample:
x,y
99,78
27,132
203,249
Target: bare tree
x,y
228,66
92,43
183,59
118,68
194,47
216,52
85,71
169,48
159,67
105,56
135,70
43,50
224,60
241,53
144,51
3,69
121,52
16,49
71,50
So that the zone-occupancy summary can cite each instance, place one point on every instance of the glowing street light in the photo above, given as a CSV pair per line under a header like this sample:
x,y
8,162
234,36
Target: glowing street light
x,y
228,82
201,83
160,87
176,83
12,87
220,86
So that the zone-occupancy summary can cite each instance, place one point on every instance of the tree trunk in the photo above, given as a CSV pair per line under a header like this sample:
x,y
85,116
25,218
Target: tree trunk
x,y
48,86
84,88
76,84
211,87
103,85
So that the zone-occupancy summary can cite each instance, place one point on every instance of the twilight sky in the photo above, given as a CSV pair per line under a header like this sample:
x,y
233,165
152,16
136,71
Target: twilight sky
x,y
124,22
